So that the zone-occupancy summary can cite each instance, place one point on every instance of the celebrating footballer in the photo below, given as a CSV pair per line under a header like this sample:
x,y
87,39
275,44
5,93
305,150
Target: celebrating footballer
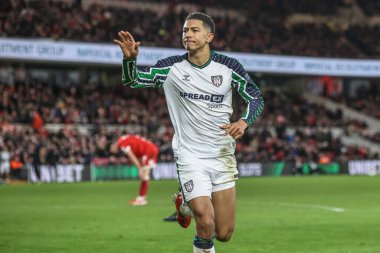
x,y
198,89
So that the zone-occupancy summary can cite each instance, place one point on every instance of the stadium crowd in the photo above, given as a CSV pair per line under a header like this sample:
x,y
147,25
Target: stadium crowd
x,y
262,29
28,108
370,8
366,99
39,121
277,7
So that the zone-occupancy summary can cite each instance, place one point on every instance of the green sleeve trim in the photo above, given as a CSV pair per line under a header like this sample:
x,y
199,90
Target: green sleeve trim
x,y
128,71
257,113
134,78
242,84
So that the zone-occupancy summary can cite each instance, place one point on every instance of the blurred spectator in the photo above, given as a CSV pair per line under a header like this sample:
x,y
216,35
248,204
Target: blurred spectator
x,y
290,128
262,29
5,161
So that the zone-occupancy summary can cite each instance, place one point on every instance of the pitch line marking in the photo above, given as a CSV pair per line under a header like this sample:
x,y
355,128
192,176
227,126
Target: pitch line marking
x,y
309,206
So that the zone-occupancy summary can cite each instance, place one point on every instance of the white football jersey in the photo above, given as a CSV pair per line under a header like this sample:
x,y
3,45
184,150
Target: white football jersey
x,y
199,99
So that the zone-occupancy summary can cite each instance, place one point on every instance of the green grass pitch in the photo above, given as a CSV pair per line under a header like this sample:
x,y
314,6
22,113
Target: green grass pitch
x,y
324,214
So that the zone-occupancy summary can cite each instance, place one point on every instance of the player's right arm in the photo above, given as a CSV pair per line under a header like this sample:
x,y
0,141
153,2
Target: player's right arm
x,y
133,158
132,76
127,150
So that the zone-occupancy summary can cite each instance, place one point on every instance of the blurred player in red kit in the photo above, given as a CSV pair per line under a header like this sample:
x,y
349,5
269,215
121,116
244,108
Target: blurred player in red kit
x,y
143,154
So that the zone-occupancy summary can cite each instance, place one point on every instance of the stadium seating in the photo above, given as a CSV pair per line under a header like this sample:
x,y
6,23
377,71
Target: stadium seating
x,y
72,122
288,125
274,27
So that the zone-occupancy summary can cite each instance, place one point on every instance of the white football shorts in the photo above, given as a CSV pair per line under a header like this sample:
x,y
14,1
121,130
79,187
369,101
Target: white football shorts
x,y
5,167
203,176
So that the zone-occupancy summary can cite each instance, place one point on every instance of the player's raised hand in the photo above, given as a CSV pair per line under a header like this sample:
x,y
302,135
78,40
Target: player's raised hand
x,y
128,45
236,129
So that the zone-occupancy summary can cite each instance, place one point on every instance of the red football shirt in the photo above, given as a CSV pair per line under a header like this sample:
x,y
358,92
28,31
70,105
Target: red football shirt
x,y
139,146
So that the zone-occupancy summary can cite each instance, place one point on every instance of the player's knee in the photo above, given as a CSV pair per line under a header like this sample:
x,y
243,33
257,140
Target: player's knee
x,y
205,227
224,235
206,223
204,216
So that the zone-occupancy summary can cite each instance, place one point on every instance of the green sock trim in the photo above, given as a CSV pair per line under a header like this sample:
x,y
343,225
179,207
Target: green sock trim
x,y
203,243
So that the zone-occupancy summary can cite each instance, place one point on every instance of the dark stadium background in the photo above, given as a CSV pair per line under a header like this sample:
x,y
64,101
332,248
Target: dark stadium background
x,y
56,112
308,165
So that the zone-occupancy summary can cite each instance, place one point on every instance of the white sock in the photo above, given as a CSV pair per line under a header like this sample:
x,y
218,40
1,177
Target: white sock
x,y
198,250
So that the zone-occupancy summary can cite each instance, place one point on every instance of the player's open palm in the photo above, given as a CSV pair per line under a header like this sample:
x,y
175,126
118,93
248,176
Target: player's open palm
x,y
128,45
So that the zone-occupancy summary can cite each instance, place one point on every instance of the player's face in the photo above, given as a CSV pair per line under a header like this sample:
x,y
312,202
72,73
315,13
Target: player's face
x,y
195,35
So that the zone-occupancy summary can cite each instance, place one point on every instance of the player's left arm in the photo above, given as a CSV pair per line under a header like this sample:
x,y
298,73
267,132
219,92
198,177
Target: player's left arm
x,y
133,158
251,94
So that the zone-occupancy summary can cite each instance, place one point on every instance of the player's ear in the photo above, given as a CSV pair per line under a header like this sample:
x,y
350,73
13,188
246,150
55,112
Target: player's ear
x,y
210,37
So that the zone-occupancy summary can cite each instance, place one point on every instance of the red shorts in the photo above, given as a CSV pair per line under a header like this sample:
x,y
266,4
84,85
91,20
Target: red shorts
x,y
150,157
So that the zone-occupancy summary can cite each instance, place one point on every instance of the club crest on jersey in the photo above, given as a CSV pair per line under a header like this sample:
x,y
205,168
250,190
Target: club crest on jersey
x,y
217,80
189,185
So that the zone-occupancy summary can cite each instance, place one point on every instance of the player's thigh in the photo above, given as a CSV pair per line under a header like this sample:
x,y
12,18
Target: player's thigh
x,y
194,179
224,203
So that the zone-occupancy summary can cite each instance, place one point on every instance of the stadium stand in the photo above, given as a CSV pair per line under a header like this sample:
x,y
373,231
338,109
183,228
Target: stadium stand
x,y
70,120
370,8
316,31
289,125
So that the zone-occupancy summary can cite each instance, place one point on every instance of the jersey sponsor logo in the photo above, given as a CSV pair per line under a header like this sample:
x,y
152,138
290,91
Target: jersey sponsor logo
x,y
214,106
217,98
194,96
217,80
189,186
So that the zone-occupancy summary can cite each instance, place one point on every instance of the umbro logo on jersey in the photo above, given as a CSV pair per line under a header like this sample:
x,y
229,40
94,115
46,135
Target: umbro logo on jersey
x,y
186,77
217,80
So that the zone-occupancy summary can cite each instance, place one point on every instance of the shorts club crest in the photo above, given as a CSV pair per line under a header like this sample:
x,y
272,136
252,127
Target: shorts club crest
x,y
189,186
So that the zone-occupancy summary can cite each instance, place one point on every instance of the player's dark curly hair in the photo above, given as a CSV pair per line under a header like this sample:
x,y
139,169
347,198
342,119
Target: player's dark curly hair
x,y
207,20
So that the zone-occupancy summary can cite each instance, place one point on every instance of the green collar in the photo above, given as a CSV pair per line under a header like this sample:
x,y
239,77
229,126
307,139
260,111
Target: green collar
x,y
204,65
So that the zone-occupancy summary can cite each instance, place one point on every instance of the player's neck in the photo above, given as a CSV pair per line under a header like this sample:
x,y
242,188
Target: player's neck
x,y
199,57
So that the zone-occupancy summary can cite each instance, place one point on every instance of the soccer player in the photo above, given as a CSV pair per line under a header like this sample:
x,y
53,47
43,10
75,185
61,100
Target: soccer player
x,y
143,154
172,217
5,161
198,89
